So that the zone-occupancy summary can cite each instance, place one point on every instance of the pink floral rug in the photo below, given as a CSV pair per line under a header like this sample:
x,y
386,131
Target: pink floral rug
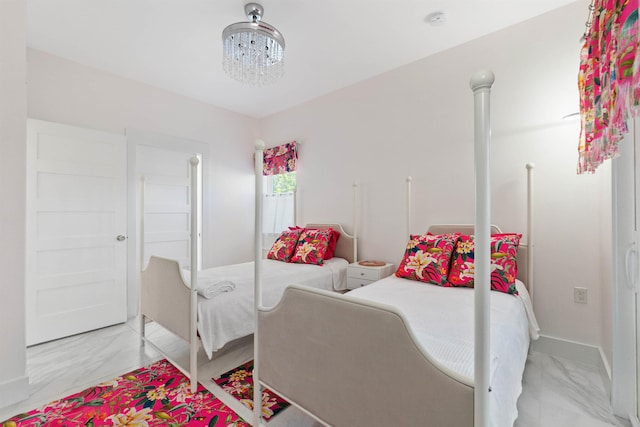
x,y
238,382
156,395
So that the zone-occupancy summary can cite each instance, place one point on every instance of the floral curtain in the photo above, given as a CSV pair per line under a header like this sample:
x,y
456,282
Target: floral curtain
x,y
608,80
280,159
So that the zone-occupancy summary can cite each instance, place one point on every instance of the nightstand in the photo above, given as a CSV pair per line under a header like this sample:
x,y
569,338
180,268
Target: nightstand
x,y
360,275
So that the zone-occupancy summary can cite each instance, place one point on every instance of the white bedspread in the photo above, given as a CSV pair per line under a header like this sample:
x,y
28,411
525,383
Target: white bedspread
x,y
230,315
442,320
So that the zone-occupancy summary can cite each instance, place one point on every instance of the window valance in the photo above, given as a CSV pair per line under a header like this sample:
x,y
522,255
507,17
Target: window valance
x,y
280,159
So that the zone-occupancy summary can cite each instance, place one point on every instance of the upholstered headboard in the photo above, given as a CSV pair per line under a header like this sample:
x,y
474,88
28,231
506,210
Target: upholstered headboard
x,y
347,244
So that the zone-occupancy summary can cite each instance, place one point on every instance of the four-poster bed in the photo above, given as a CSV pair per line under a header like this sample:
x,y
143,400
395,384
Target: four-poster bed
x,y
174,297
363,352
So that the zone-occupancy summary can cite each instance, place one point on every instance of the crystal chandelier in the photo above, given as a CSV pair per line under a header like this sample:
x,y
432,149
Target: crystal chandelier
x,y
253,52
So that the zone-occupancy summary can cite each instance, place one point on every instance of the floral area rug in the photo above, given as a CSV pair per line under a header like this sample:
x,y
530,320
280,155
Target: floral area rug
x,y
156,395
238,382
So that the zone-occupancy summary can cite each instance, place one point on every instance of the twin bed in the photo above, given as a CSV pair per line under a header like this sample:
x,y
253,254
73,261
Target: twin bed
x,y
396,352
166,292
229,315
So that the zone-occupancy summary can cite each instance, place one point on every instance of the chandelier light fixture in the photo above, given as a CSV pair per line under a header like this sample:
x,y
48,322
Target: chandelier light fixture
x,y
253,52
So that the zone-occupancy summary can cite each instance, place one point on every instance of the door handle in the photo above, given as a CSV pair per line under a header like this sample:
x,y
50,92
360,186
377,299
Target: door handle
x,y
631,272
120,238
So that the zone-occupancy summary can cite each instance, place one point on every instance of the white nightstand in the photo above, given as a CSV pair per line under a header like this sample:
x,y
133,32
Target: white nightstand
x,y
360,275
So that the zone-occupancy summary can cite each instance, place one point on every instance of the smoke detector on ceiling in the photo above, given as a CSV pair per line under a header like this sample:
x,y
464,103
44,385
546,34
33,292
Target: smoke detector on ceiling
x,y
436,18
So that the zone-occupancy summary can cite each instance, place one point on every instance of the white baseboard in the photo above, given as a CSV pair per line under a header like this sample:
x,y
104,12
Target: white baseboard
x,y
14,391
605,371
578,352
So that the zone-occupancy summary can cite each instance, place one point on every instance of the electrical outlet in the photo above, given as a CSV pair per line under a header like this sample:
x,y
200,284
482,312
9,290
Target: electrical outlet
x,y
580,295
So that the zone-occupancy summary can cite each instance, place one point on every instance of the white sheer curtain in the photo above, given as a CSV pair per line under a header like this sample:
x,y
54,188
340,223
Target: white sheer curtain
x,y
277,215
277,212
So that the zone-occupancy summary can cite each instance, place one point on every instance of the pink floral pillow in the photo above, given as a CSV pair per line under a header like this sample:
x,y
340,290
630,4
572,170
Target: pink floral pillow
x,y
427,258
333,242
312,246
504,266
284,246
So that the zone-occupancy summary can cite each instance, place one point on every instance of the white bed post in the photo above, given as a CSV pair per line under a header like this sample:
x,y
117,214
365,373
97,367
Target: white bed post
x,y
355,222
409,228
530,240
481,82
257,392
193,338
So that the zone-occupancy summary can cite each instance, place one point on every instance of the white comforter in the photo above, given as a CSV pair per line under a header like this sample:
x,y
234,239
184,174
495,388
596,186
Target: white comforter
x,y
442,320
230,315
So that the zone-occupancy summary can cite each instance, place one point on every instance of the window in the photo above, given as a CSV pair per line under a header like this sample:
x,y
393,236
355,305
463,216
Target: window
x,y
278,206
279,203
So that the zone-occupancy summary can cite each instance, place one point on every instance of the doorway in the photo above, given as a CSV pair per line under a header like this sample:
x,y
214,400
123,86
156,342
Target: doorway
x,y
159,195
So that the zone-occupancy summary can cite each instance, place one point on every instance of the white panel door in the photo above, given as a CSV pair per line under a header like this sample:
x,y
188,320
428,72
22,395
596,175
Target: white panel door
x,y
166,178
635,273
162,224
76,230
625,192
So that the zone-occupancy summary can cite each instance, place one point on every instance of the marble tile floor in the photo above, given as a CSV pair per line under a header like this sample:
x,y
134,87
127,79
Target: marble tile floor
x,y
556,392
69,365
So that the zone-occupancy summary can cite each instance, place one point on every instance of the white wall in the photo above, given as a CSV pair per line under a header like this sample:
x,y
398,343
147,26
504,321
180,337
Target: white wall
x,y
418,120
14,382
67,92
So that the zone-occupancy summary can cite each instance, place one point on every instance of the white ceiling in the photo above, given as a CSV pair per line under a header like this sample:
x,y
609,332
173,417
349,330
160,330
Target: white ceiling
x,y
330,44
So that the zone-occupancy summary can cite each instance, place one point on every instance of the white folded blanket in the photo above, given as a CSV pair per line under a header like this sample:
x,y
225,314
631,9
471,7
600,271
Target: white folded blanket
x,y
208,287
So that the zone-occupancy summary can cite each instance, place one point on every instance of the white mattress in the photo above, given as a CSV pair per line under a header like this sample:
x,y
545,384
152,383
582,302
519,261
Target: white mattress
x,y
442,320
230,315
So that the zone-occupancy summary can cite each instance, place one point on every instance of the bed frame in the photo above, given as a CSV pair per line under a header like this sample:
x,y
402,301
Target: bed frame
x,y
168,300
341,357
358,357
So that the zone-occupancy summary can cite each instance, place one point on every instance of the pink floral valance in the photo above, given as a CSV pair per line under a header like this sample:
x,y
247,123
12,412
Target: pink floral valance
x,y
608,81
280,159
